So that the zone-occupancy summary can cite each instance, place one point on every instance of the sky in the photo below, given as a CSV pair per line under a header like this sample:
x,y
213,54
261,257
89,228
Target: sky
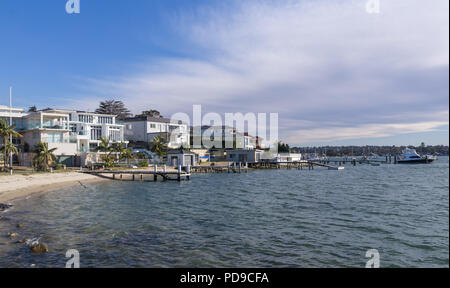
x,y
334,73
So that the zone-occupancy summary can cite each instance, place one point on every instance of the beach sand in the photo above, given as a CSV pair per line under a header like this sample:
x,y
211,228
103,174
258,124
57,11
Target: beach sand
x,y
21,186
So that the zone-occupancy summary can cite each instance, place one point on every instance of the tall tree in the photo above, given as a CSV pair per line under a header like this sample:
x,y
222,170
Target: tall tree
x,y
44,156
32,109
9,148
113,107
5,131
150,113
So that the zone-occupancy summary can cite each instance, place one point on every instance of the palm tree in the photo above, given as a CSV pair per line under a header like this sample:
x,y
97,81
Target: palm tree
x,y
10,149
126,154
119,148
103,146
158,146
5,131
107,148
44,156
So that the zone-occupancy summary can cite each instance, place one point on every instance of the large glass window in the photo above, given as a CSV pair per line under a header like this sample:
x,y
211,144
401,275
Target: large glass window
x,y
96,133
86,118
105,120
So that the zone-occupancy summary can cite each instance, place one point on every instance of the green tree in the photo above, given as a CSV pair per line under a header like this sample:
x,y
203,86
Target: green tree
x,y
32,109
10,149
44,156
104,146
5,131
113,107
158,146
150,113
283,148
118,148
126,154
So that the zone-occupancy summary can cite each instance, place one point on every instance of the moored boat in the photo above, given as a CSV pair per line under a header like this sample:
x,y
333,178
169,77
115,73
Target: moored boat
x,y
410,156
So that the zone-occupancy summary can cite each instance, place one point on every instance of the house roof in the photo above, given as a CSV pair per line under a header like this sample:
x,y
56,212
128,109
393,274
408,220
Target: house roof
x,y
152,119
180,151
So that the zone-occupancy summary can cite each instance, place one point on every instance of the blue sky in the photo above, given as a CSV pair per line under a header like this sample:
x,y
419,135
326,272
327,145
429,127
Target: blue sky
x,y
333,72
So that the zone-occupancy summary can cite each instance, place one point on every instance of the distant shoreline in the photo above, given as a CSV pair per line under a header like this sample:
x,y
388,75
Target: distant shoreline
x,y
16,187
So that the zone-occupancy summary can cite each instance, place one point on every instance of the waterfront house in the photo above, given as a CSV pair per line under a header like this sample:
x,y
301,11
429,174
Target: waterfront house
x,y
245,156
144,129
72,133
85,129
181,157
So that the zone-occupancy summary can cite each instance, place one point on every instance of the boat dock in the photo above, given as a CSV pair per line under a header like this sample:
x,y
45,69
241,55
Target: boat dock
x,y
184,173
143,175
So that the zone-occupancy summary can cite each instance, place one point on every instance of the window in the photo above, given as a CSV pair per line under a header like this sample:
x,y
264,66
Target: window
x,y
96,133
105,120
114,135
73,127
86,118
153,126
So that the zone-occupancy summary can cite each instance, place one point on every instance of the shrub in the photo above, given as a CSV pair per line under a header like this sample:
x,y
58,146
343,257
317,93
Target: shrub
x,y
143,164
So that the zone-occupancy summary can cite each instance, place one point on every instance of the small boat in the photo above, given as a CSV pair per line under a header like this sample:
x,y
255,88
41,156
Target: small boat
x,y
410,156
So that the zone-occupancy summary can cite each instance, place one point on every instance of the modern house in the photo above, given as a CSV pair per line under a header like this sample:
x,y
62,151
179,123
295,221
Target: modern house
x,y
72,133
143,129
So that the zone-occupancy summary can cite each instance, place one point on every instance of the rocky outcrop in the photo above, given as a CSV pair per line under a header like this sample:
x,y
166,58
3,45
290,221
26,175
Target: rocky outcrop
x,y
39,248
4,207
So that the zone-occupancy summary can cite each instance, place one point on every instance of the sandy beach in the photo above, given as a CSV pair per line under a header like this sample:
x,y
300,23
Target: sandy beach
x,y
20,186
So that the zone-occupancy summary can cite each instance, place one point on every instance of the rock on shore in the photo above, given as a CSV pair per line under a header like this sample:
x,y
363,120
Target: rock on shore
x,y
4,207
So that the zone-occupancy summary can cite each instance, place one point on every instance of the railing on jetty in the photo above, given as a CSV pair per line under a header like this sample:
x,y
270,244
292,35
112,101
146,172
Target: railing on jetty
x,y
230,168
299,165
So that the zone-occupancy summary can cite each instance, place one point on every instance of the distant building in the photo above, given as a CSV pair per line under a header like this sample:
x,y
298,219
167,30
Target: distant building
x,y
288,157
144,129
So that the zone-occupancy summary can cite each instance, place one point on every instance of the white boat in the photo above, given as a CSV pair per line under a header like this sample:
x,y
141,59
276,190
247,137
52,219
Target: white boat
x,y
410,156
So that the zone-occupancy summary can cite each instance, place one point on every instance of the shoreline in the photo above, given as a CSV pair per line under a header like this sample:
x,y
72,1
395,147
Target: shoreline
x,y
17,187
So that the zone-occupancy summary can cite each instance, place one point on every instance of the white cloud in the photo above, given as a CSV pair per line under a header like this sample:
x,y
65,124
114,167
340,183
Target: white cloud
x,y
325,63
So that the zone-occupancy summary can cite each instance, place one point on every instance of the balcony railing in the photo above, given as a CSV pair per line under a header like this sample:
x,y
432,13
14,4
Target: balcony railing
x,y
56,140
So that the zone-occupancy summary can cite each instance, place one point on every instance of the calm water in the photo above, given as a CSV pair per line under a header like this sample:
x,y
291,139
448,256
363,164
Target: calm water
x,y
271,218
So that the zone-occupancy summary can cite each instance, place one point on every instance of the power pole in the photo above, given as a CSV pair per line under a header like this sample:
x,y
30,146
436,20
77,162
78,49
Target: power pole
x,y
10,135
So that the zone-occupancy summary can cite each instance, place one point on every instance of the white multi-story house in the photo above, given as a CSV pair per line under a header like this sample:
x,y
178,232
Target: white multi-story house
x,y
71,132
144,129
89,128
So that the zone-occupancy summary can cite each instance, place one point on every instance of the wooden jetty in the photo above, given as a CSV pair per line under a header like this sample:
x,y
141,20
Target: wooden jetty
x,y
299,165
142,175
184,173
230,168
